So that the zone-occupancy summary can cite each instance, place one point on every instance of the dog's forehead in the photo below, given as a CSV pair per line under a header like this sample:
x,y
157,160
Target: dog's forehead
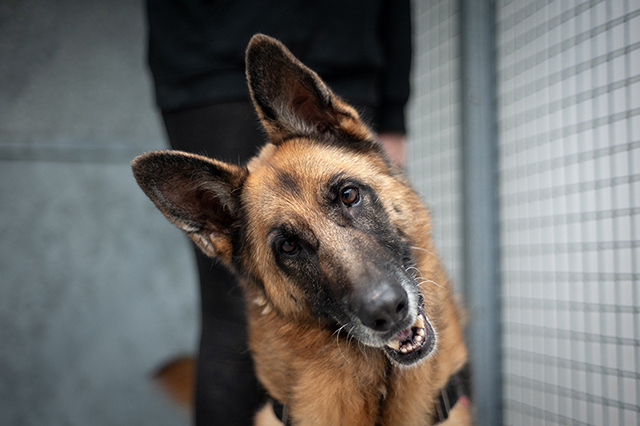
x,y
295,175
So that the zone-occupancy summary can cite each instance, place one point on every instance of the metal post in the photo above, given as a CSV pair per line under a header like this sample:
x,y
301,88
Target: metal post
x,y
480,206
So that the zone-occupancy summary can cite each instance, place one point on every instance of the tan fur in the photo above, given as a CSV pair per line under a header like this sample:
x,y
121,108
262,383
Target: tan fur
x,y
323,375
459,415
266,417
324,378
177,378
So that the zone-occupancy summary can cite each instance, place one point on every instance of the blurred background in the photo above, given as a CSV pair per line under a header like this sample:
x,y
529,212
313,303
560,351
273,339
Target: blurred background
x,y
524,141
567,147
95,289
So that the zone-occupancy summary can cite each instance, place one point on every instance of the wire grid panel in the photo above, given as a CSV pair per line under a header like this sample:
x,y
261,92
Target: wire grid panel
x,y
434,125
569,158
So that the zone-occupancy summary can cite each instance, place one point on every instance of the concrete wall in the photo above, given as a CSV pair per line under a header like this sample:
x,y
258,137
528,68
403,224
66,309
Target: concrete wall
x,y
96,287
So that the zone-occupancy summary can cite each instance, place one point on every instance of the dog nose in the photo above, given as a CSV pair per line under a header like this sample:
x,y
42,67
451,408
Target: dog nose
x,y
383,307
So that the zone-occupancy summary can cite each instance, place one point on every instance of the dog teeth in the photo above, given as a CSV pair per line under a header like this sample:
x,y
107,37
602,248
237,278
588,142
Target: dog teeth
x,y
410,345
394,344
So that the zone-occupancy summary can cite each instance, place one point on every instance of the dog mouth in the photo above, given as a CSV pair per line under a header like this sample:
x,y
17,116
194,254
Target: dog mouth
x,y
414,343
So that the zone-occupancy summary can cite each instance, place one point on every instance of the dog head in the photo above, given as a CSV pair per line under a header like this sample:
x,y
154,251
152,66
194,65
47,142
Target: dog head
x,y
320,224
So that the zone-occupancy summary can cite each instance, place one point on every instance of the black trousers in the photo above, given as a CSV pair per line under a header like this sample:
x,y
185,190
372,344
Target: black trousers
x,y
227,391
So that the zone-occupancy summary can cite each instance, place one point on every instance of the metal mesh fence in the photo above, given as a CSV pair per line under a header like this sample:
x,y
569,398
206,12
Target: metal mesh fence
x,y
434,124
568,82
569,155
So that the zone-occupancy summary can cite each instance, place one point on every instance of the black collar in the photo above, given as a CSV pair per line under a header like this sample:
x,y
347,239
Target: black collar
x,y
458,386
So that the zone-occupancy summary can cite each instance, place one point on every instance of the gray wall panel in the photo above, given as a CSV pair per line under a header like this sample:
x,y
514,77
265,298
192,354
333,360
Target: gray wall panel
x,y
96,287
97,291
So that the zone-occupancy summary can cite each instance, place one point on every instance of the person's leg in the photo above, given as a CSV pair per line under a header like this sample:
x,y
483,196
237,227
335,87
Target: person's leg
x,y
227,392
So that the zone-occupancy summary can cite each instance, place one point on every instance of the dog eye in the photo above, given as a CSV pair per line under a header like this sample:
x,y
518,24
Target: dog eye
x,y
289,246
350,196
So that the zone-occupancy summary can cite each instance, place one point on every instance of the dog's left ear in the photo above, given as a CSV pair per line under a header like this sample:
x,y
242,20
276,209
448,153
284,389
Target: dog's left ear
x,y
292,100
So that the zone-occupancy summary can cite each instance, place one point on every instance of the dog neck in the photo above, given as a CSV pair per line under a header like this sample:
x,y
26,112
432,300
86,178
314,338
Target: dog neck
x,y
457,390
318,373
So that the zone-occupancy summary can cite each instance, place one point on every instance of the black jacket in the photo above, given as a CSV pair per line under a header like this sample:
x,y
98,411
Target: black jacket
x,y
361,48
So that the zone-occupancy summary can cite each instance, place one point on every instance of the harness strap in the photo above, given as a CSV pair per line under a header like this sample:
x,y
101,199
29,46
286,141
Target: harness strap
x,y
281,411
458,389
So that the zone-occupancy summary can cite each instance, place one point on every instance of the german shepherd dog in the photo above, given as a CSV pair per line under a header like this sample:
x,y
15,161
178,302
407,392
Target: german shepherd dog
x,y
350,318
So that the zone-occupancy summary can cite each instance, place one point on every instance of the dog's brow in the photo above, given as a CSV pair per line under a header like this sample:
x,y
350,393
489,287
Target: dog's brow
x,y
287,181
283,229
290,229
277,231
337,180
334,182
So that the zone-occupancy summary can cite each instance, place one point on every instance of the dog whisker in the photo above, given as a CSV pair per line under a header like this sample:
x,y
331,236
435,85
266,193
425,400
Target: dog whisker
x,y
426,251
425,281
416,269
422,279
350,336
337,333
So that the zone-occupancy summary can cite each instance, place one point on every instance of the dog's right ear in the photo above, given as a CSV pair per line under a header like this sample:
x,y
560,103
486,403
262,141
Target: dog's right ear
x,y
291,99
197,194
